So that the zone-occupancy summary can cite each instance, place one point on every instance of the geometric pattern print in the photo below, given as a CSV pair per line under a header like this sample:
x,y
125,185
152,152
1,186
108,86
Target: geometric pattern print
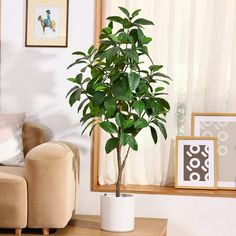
x,y
216,129
196,163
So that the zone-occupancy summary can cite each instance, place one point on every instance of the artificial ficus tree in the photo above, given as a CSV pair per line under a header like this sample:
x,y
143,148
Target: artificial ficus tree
x,y
123,94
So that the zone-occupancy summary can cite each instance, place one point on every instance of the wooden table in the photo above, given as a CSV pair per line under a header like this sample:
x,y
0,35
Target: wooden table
x,y
90,225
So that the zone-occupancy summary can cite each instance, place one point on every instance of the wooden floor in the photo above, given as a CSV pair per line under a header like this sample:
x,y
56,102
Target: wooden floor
x,y
90,226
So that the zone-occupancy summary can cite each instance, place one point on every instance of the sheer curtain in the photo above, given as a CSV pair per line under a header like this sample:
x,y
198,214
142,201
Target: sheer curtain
x,y
195,40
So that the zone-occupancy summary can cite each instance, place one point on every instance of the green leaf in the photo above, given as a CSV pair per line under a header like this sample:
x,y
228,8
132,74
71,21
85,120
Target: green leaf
x,y
100,87
154,68
161,75
124,139
85,109
120,120
123,37
154,134
139,106
120,89
126,23
163,81
128,139
72,90
72,98
95,72
163,103
85,118
107,30
124,106
98,98
113,38
135,13
76,63
143,49
81,104
78,78
125,11
134,35
132,54
146,40
86,80
142,21
79,53
132,143
110,104
89,123
117,19
90,50
71,80
128,123
110,24
108,54
140,123
84,69
141,35
134,80
95,110
162,128
91,130
111,144
108,126
142,88
104,45
158,89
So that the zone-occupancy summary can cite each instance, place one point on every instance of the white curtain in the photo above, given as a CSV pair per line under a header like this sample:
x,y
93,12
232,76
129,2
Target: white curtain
x,y
195,40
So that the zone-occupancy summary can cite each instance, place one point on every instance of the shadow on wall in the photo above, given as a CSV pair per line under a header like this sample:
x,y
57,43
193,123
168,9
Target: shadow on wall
x,y
23,82
28,84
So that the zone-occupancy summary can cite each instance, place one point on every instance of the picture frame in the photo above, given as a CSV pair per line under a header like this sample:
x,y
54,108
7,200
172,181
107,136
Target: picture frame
x,y
46,23
222,126
196,162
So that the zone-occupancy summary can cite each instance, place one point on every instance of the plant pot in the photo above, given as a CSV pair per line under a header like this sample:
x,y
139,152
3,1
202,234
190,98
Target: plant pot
x,y
117,213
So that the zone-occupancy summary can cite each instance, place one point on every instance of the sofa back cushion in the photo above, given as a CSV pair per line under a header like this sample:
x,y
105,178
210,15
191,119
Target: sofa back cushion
x,y
33,135
11,146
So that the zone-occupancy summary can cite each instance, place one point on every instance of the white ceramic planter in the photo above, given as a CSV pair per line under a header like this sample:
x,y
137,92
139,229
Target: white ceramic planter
x,y
117,213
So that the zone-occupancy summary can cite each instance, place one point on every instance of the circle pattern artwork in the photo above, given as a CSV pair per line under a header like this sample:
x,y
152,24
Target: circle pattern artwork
x,y
216,129
196,162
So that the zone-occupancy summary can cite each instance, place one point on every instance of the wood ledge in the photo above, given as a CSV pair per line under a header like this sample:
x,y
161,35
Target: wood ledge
x,y
164,190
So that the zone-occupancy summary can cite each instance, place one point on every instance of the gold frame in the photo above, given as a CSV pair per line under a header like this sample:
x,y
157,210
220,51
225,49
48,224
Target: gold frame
x,y
178,138
96,132
31,40
194,114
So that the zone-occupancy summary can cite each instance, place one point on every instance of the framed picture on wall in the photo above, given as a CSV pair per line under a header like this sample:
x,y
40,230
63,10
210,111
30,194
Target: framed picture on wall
x,y
196,162
222,126
46,23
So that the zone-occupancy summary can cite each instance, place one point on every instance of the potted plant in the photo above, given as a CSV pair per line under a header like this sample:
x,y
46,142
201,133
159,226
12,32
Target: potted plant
x,y
122,95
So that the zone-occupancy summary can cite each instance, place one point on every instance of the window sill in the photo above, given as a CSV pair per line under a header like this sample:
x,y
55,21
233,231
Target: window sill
x,y
152,189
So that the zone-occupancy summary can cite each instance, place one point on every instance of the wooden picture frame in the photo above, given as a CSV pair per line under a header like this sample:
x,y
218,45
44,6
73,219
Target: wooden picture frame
x,y
46,23
196,162
222,126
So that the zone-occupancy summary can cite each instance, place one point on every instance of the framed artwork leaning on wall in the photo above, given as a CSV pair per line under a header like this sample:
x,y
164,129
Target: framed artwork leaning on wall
x,y
46,23
196,162
222,126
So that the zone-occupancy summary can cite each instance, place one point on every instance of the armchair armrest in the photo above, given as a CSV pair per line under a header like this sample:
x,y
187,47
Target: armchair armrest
x,y
51,173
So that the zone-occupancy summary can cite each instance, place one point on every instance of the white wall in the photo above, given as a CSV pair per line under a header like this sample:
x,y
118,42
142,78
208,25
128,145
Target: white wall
x,y
34,80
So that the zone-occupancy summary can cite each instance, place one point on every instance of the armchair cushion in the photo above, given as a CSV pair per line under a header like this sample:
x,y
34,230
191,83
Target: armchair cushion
x,y
13,197
51,182
11,146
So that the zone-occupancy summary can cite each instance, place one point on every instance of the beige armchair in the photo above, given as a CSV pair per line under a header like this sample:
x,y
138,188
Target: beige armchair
x,y
41,194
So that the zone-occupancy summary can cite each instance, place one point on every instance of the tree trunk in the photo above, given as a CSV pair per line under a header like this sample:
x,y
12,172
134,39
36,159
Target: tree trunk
x,y
118,182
